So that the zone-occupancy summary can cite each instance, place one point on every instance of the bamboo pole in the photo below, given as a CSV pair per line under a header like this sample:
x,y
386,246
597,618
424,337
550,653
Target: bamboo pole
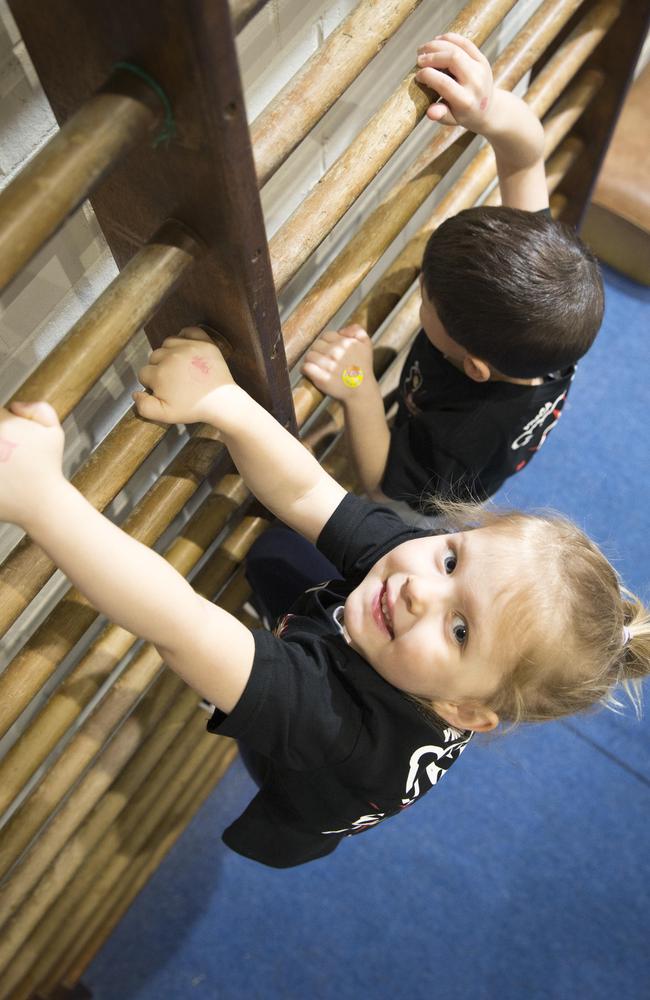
x,y
316,86
84,681
64,172
154,851
77,851
99,335
379,139
136,876
162,732
122,844
28,671
387,220
78,755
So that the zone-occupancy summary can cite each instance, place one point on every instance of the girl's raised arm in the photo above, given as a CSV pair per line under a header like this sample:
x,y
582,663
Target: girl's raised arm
x,y
190,381
131,584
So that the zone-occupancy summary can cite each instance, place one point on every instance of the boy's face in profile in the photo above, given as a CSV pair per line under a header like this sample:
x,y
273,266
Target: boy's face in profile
x,y
427,615
436,332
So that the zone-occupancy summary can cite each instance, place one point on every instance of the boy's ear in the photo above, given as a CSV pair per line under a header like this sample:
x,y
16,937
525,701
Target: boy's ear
x,y
467,715
477,370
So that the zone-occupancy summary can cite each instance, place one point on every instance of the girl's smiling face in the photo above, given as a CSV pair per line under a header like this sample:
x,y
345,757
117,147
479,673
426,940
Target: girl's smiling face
x,y
426,616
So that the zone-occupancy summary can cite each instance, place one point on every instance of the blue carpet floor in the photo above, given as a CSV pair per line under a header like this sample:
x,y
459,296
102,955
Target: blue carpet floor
x,y
524,876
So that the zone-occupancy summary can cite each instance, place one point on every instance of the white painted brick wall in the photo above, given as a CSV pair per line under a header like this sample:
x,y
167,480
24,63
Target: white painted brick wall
x,y
75,266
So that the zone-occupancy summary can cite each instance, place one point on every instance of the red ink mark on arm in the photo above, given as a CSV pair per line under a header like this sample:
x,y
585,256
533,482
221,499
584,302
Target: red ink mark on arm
x,y
6,449
201,364
484,103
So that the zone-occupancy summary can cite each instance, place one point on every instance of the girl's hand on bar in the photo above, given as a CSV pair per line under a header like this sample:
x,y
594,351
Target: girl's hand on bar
x,y
31,451
459,72
340,363
186,376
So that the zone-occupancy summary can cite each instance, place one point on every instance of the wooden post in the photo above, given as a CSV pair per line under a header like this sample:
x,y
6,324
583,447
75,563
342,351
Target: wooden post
x,y
203,175
94,341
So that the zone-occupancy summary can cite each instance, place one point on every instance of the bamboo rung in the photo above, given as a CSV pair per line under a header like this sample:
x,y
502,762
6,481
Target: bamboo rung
x,y
135,878
350,175
121,843
19,933
96,338
313,90
51,186
385,222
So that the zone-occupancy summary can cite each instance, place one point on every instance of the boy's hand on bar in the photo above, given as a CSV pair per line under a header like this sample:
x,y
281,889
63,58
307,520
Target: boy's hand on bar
x,y
31,451
184,375
340,363
459,72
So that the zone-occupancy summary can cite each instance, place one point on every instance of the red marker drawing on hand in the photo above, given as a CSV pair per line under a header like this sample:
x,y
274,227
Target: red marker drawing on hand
x,y
6,449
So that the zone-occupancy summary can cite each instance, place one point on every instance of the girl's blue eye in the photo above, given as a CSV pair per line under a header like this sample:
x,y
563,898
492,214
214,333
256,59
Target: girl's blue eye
x,y
449,562
460,630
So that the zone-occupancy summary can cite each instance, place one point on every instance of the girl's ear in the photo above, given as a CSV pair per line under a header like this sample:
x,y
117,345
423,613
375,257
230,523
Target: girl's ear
x,y
467,715
476,369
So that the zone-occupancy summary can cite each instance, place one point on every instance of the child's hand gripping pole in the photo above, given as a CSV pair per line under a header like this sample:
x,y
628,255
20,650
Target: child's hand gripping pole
x,y
190,381
187,377
459,72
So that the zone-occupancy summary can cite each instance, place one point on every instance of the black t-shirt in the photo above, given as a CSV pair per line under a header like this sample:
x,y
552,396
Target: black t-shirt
x,y
456,438
342,748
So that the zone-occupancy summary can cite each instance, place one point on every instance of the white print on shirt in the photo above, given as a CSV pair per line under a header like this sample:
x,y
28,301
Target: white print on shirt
x,y
450,751
554,408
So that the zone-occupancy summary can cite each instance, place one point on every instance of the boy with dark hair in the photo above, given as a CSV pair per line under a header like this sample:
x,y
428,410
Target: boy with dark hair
x,y
510,301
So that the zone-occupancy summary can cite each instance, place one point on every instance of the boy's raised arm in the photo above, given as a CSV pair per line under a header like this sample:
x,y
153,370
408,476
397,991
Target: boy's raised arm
x,y
454,67
190,382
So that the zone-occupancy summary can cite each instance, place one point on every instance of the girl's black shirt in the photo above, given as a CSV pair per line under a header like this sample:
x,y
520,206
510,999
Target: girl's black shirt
x,y
340,748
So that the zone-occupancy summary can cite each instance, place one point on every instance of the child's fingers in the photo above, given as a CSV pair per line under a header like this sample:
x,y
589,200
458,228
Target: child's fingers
x,y
355,331
147,375
157,356
195,333
322,361
150,407
315,374
453,59
464,43
443,84
41,413
440,113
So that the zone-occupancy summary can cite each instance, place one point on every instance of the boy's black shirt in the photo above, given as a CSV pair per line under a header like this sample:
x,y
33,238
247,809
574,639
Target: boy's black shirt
x,y
456,438
341,749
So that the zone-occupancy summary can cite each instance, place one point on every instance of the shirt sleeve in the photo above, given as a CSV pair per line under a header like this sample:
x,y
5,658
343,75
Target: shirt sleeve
x,y
360,532
295,708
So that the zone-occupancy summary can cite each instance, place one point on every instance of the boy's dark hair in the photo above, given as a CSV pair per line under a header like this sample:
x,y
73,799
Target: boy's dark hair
x,y
515,289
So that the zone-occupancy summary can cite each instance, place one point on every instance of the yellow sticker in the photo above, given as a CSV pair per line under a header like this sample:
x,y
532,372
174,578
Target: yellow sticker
x,y
352,376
